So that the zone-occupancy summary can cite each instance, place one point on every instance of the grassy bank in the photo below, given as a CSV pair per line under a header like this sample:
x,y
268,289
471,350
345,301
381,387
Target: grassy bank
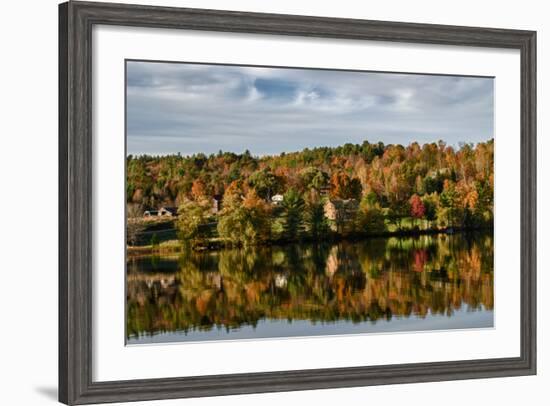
x,y
213,244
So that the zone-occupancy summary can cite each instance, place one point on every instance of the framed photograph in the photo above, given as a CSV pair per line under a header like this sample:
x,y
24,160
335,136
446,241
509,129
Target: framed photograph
x,y
258,202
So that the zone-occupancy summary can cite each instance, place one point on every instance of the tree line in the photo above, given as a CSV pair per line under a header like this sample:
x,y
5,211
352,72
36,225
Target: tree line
x,y
426,186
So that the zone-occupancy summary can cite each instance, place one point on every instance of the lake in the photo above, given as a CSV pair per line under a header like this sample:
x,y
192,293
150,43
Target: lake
x,y
381,285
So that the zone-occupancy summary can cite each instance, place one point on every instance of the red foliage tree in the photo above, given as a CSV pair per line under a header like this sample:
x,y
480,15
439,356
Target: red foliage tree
x,y
418,210
344,187
198,190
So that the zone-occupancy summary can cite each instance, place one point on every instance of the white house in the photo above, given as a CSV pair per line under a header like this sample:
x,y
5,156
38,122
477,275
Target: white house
x,y
167,211
277,199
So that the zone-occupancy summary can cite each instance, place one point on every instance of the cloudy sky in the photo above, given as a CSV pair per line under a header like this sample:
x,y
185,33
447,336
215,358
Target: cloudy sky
x,y
190,108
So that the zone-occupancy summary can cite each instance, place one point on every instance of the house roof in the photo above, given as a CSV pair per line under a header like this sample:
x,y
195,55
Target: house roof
x,y
169,208
344,203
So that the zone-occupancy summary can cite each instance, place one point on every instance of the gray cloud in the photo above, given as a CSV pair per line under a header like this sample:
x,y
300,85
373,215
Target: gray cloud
x,y
190,108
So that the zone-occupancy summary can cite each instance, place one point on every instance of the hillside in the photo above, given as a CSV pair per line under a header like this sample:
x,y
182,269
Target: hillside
x,y
347,189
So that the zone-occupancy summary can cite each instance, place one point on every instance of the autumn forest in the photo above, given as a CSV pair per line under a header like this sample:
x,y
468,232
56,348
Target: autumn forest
x,y
350,191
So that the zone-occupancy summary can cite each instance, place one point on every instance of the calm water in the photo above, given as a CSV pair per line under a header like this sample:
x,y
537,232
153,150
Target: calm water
x,y
378,285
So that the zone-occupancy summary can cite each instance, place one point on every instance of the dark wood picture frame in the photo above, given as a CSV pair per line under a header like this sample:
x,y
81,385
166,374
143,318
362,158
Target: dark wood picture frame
x,y
76,20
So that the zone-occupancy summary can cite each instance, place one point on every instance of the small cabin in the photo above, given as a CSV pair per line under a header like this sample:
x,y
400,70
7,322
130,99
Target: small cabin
x,y
150,213
340,211
324,191
216,203
167,211
277,199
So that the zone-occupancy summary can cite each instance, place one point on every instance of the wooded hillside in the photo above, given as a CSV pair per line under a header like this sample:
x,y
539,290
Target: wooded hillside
x,y
436,183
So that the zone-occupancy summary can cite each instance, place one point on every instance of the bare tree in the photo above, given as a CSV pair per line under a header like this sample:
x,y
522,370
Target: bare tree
x,y
134,223
134,210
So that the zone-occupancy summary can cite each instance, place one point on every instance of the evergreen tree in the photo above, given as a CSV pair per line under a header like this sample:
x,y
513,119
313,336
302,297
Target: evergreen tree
x,y
293,206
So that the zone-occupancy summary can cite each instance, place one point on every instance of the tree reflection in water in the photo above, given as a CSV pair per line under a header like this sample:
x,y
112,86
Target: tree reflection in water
x,y
355,281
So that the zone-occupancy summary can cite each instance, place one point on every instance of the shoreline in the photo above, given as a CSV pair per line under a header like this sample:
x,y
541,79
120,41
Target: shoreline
x,y
177,246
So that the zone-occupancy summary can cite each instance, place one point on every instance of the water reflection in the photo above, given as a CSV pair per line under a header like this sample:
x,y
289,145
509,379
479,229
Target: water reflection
x,y
240,293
